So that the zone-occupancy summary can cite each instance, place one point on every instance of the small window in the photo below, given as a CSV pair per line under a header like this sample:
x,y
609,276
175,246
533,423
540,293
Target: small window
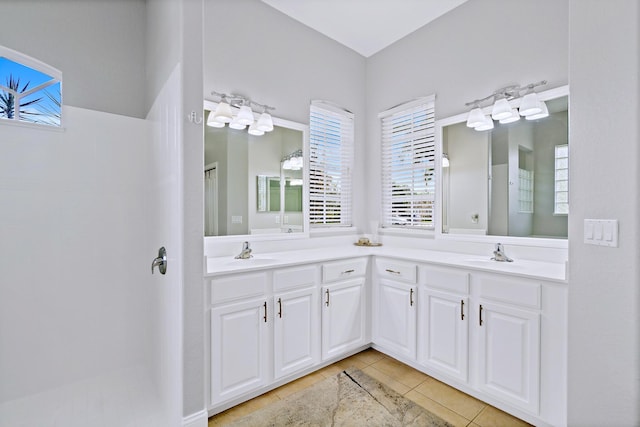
x,y
331,149
30,91
408,165
561,193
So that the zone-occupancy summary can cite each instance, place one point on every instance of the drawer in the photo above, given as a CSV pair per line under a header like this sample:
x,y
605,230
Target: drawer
x,y
512,291
445,279
397,270
296,277
229,288
332,271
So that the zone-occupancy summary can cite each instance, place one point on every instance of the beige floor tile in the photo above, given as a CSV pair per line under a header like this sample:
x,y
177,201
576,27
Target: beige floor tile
x,y
369,356
243,409
435,408
493,417
451,398
299,384
386,380
400,372
352,362
331,370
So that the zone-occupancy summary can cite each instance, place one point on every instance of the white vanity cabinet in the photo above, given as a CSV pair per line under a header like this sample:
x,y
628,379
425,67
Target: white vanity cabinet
x,y
239,325
264,326
395,300
343,306
296,320
508,332
443,321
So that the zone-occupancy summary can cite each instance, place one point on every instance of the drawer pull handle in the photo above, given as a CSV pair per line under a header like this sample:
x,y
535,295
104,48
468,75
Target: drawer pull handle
x,y
461,309
480,314
327,302
411,298
265,312
348,271
388,270
280,308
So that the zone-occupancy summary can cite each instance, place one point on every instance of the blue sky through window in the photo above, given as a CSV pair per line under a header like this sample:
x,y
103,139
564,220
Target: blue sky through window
x,y
43,106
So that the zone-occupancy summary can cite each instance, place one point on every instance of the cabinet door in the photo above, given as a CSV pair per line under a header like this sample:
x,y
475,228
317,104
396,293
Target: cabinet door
x,y
444,332
238,349
296,324
395,319
509,354
343,327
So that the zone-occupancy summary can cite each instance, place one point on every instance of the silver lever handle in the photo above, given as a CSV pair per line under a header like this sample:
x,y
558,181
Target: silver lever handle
x,y
160,261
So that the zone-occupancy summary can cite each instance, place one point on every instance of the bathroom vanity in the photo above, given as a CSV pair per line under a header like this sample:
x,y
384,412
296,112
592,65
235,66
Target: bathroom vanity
x,y
496,331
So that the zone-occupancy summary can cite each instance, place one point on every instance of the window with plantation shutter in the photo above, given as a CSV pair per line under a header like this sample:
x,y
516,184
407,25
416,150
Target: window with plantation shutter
x,y
330,163
408,165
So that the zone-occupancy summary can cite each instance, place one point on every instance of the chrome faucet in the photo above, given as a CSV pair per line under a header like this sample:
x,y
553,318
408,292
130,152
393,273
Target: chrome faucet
x,y
499,255
245,253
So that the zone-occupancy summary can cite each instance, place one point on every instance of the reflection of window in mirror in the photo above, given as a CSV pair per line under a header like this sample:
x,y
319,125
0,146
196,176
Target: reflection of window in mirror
x,y
561,200
525,180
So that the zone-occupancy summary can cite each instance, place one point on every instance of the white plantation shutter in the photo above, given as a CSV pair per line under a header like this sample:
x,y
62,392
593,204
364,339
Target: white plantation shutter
x,y
408,164
330,164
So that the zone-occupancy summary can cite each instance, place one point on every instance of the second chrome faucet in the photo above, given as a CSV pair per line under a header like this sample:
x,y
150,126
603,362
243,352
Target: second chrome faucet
x,y
245,253
499,255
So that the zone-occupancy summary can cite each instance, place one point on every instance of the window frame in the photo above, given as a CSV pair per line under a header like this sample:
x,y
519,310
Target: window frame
x,y
41,67
423,145
556,180
344,164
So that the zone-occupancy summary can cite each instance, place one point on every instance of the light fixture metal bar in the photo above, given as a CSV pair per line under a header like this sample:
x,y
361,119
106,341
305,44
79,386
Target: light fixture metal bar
x,y
236,100
508,92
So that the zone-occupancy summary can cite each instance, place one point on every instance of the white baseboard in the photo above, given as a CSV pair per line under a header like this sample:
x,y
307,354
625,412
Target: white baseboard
x,y
199,419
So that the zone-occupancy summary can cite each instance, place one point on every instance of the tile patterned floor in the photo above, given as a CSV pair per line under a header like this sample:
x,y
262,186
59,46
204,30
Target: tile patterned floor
x,y
456,407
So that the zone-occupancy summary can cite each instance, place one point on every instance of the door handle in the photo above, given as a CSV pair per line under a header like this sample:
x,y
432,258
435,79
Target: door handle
x,y
160,261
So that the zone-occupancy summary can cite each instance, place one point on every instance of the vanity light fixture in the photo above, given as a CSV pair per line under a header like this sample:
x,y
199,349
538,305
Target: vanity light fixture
x,y
531,108
235,110
293,161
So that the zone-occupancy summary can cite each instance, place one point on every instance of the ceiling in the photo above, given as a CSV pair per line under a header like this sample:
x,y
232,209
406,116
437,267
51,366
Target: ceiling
x,y
366,26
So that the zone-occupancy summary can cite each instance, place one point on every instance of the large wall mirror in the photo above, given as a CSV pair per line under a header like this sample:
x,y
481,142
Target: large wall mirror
x,y
509,181
255,185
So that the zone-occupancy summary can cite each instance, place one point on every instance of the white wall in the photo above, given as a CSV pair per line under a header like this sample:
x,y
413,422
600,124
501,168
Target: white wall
x,y
254,50
174,38
98,46
462,56
604,292
73,271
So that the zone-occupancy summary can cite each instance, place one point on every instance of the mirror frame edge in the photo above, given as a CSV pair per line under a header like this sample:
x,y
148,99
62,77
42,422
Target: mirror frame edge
x,y
511,240
304,128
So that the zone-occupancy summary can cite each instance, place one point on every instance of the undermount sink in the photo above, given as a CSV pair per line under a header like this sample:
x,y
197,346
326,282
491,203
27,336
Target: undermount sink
x,y
488,262
254,261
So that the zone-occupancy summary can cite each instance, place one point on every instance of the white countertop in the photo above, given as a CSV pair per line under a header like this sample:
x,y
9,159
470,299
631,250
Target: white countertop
x,y
549,271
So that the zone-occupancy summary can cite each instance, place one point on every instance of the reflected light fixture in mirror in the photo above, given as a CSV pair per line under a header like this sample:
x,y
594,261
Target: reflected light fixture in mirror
x,y
531,108
241,106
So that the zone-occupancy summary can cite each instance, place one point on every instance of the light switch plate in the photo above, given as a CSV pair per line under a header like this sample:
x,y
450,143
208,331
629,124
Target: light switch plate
x,y
601,232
